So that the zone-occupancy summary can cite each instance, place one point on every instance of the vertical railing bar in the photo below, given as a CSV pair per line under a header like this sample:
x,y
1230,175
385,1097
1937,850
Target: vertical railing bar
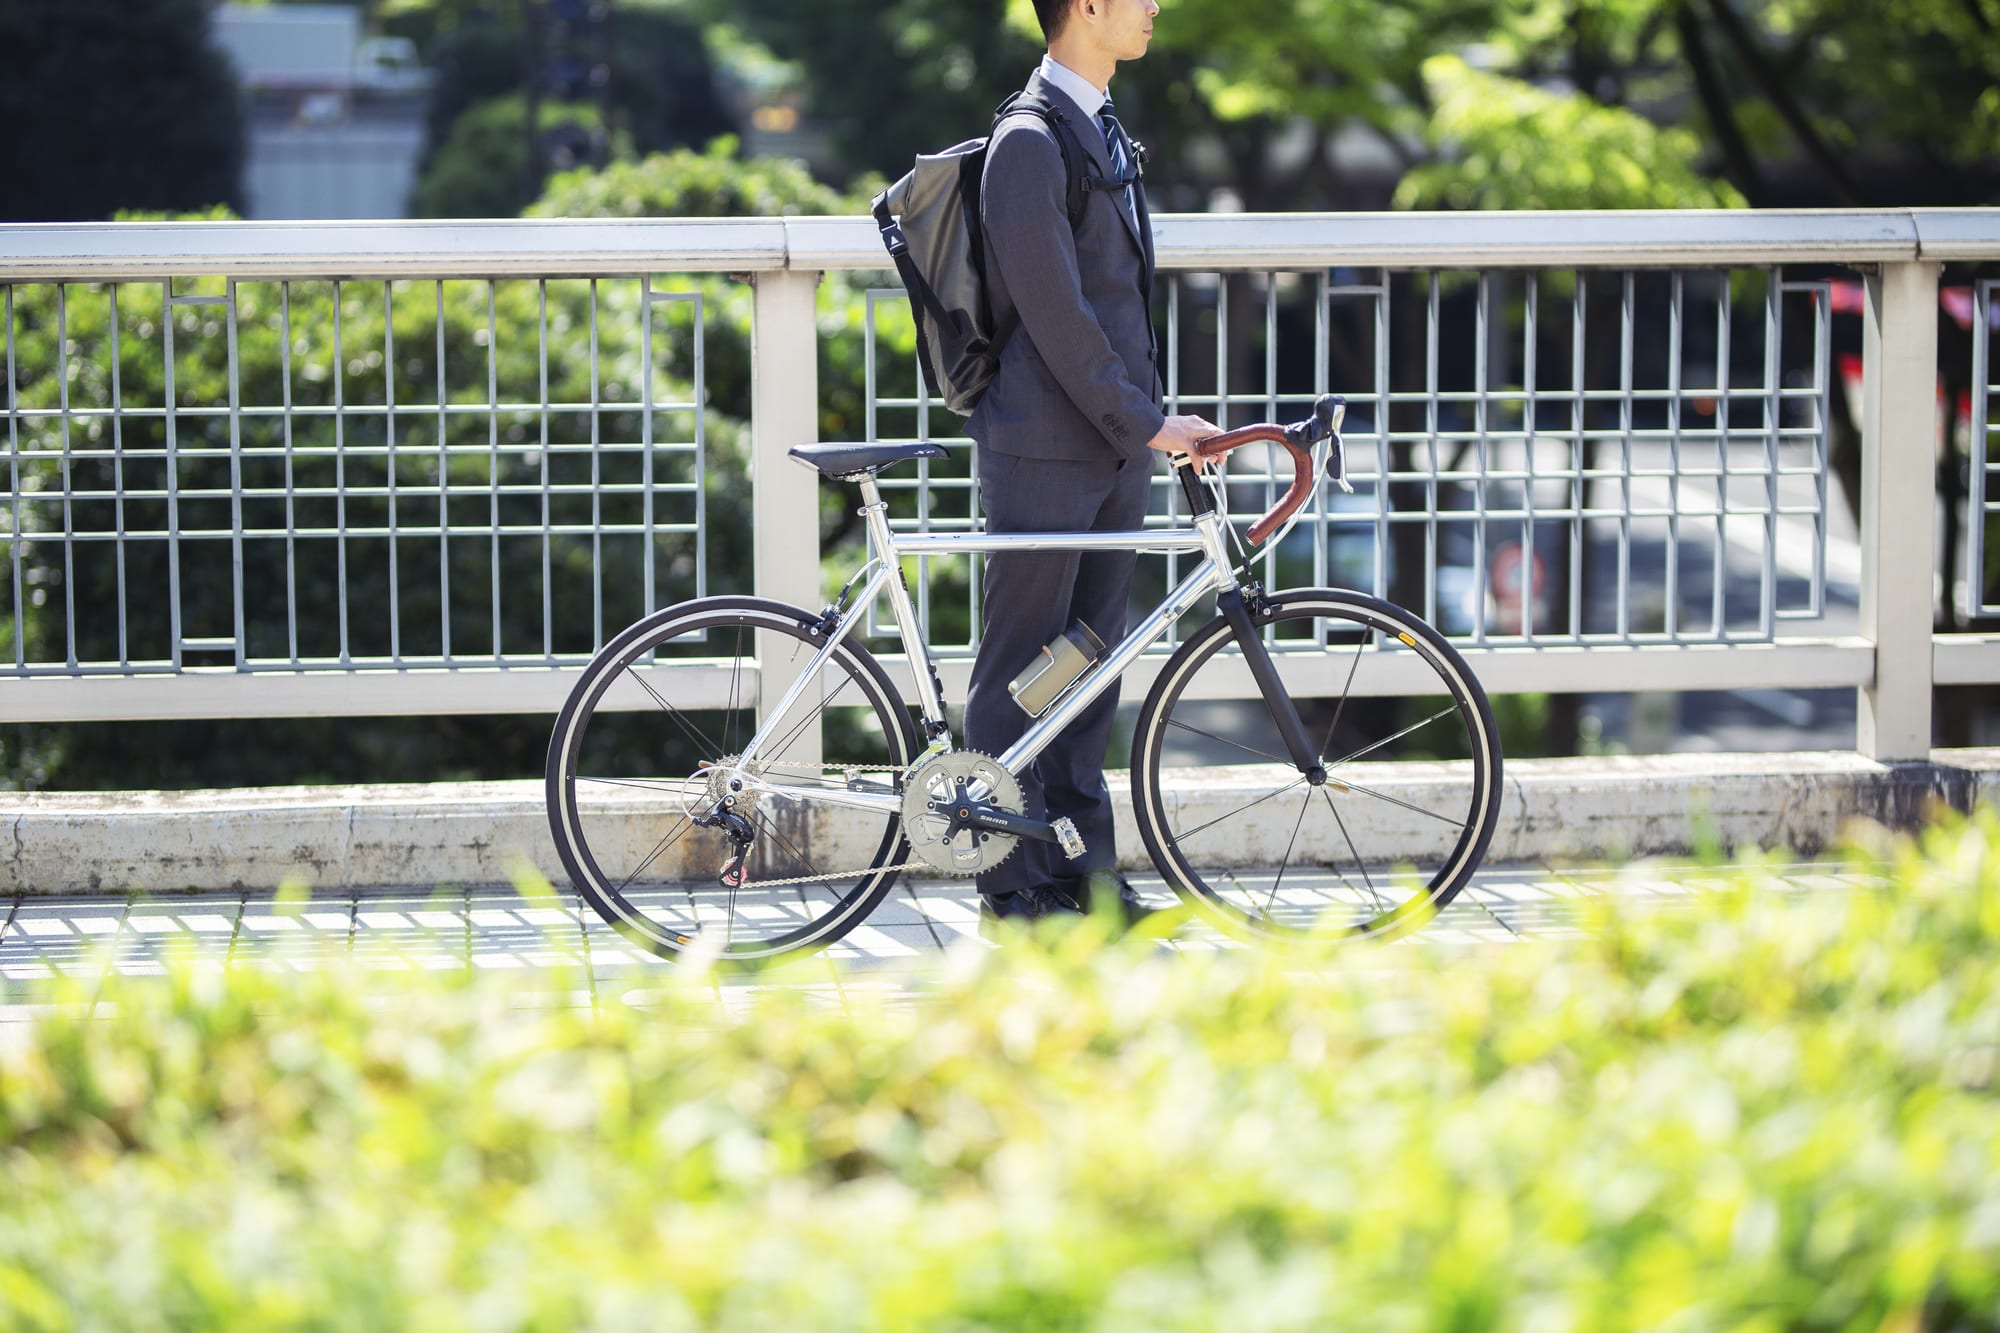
x,y
648,590
542,409
1579,484
1723,352
493,452
1767,610
1383,291
117,483
1627,300
596,486
871,394
700,445
444,490
1433,308
389,459
1481,331
235,475
173,476
340,473
1676,309
923,499
291,480
1530,370
1822,426
62,433
15,541
1270,554
1222,353
1322,382
1979,449
1173,407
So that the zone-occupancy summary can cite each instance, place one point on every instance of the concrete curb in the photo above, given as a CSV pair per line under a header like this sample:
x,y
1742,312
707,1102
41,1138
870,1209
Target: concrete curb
x,y
420,836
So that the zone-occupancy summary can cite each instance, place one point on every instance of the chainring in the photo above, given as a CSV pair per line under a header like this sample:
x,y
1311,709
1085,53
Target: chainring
x,y
947,778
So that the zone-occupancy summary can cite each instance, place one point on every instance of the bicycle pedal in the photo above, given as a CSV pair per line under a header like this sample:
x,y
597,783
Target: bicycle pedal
x,y
1066,834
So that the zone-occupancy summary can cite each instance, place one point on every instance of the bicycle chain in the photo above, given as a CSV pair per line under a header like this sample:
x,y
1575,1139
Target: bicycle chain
x,y
848,772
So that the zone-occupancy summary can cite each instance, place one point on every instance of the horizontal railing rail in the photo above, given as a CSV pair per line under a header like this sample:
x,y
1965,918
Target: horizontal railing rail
x,y
1597,446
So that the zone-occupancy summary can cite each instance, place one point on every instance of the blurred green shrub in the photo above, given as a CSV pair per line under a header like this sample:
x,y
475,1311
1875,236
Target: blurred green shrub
x,y
1764,1111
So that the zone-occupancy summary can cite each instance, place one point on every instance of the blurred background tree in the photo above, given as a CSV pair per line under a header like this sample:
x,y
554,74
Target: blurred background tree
x,y
111,105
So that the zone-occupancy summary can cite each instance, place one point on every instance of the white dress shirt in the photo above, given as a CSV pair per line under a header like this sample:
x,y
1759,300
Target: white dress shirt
x,y
1091,98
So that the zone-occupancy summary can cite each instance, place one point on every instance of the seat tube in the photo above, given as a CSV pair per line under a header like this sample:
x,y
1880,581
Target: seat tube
x,y
930,691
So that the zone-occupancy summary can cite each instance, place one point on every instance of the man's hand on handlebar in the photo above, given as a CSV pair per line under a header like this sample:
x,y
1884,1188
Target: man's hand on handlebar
x,y
1180,435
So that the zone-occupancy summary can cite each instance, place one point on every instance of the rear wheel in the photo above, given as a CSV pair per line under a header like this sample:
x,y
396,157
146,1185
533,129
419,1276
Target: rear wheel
x,y
1412,786
645,760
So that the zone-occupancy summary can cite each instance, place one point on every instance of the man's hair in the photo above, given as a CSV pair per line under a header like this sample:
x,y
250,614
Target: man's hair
x,y
1052,14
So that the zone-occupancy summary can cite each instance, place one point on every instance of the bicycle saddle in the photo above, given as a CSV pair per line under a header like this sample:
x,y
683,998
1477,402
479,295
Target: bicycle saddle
x,y
854,460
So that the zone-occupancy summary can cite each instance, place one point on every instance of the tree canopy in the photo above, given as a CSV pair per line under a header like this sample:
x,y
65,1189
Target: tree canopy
x,y
111,105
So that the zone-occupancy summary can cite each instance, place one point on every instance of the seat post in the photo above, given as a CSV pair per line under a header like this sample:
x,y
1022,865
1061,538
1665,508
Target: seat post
x,y
871,494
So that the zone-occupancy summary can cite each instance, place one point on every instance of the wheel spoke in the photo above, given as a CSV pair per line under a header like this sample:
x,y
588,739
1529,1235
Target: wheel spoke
x,y
603,841
694,733
792,735
1386,740
1398,801
1224,740
1183,837
673,836
668,786
1355,852
1346,693
1280,897
1297,824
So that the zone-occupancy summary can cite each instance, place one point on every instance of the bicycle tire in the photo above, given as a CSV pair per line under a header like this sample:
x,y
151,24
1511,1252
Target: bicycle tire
x,y
617,778
1399,826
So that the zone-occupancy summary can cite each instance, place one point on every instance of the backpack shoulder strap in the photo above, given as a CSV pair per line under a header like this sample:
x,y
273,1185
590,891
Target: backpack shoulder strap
x,y
1079,181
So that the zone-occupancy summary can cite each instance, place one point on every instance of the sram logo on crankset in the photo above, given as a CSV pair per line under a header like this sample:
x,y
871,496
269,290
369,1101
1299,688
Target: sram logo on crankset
x,y
942,800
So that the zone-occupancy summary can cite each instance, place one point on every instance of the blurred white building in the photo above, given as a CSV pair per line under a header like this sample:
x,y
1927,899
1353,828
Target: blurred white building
x,y
336,118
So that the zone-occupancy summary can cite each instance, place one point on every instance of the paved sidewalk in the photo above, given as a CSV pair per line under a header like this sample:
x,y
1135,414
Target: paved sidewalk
x,y
495,927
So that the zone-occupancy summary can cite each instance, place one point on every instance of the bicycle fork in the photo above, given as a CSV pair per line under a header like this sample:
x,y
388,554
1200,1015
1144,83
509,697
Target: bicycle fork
x,y
1264,671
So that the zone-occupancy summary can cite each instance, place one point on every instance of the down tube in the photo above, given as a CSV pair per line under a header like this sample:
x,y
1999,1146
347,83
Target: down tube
x,y
1206,578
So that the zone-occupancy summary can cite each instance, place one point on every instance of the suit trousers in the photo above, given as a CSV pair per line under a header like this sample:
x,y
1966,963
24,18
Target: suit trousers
x,y
1030,598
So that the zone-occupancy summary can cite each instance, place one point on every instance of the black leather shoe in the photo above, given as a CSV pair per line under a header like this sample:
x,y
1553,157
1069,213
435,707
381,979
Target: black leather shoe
x,y
1022,908
1106,890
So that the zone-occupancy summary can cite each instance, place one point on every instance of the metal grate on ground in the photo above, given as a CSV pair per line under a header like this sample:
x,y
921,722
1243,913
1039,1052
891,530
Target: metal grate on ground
x,y
902,944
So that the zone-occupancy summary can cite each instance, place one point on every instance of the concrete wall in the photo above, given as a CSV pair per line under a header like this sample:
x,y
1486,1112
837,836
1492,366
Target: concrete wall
x,y
476,833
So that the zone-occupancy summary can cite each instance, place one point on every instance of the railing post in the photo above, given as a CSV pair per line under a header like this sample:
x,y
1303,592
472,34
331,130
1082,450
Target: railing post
x,y
784,497
1898,500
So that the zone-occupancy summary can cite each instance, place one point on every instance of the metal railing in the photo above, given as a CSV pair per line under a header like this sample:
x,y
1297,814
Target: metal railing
x,y
1594,447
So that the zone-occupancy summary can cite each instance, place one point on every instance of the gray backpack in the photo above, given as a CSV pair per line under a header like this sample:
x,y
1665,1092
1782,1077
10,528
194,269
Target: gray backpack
x,y
930,225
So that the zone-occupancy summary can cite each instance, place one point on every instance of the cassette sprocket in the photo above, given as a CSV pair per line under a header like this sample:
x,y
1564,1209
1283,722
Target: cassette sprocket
x,y
940,788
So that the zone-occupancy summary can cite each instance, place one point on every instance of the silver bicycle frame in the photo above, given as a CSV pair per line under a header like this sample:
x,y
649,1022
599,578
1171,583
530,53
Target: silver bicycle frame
x,y
885,551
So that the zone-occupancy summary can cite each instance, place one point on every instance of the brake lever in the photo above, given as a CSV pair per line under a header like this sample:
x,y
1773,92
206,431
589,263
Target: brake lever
x,y
1324,424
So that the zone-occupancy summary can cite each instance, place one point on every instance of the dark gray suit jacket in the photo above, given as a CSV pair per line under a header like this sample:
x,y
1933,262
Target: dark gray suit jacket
x,y
1078,379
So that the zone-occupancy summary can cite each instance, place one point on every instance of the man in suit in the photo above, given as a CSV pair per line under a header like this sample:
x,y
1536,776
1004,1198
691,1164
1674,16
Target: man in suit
x,y
1067,432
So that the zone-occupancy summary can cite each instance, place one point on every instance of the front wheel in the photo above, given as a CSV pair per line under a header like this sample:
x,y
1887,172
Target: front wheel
x,y
1410,794
683,842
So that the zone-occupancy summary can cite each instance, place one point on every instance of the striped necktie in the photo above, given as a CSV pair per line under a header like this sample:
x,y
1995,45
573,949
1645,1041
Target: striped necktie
x,y
1120,149
1115,140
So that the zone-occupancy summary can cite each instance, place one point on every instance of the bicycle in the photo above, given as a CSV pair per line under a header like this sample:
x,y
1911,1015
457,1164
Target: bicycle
x,y
718,755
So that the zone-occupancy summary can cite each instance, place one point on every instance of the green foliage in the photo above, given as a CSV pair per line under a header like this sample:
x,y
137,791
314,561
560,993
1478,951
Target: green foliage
x,y
712,183
481,169
662,95
891,80
1763,1111
114,104
1502,143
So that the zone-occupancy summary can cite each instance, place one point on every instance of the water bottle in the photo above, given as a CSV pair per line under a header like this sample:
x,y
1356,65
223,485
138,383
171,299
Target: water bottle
x,y
1061,662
